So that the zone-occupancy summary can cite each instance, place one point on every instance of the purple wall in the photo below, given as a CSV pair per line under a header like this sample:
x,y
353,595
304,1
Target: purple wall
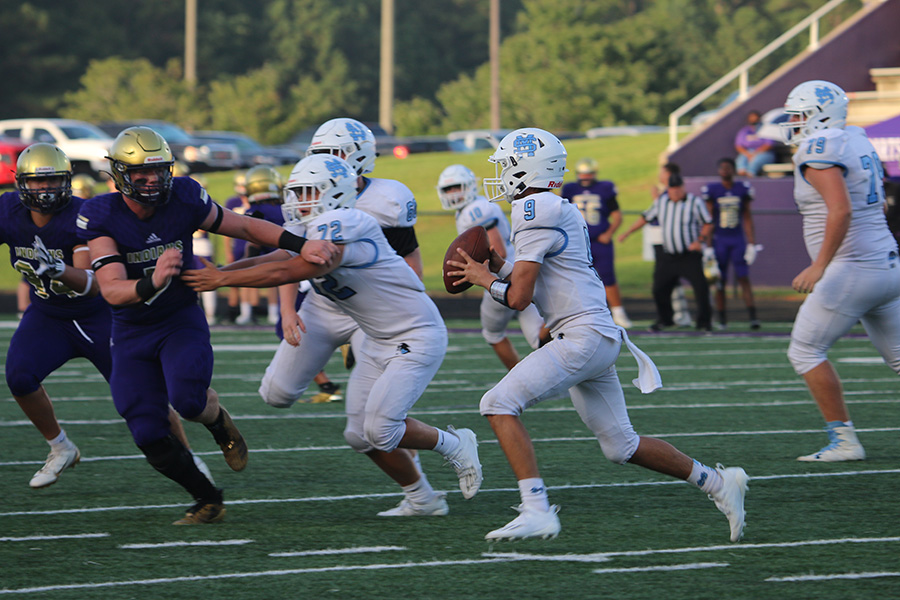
x,y
872,42
778,228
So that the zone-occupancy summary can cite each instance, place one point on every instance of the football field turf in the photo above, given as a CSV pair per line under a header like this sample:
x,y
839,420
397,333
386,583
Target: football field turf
x,y
301,518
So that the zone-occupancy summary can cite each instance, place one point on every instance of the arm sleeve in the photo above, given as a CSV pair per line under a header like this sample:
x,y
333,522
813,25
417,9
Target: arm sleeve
x,y
402,239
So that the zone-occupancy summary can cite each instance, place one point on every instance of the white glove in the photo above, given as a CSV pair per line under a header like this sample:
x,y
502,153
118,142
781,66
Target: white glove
x,y
711,265
53,267
750,253
709,254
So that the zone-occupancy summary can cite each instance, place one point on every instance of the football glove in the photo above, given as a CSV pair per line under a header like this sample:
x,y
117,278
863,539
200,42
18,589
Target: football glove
x,y
750,253
53,267
710,265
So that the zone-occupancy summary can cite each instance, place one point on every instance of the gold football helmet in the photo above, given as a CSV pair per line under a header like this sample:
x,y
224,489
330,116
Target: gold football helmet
x,y
83,186
263,183
139,150
586,166
179,169
240,184
46,162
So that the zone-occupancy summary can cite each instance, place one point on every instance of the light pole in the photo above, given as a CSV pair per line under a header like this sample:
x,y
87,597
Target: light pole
x,y
386,84
190,42
494,50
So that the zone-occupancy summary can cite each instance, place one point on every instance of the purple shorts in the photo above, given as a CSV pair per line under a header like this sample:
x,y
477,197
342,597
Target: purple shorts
x,y
154,365
604,256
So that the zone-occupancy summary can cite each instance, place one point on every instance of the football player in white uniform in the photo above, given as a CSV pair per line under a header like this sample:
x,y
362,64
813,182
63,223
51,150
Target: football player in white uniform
x,y
456,190
553,267
854,275
405,337
312,335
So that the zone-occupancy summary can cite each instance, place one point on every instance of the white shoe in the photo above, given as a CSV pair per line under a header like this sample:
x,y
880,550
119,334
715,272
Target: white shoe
x,y
203,468
529,524
844,445
437,507
730,499
683,319
57,462
244,320
464,461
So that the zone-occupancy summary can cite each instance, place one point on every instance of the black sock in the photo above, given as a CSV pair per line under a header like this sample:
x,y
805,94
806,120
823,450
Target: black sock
x,y
722,317
329,387
752,311
172,459
217,427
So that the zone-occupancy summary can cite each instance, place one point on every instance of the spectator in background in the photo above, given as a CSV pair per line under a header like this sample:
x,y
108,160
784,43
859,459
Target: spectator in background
x,y
240,301
753,151
728,201
686,225
597,201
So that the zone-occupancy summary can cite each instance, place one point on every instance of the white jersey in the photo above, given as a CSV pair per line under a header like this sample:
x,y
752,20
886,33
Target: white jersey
x,y
373,285
488,215
550,230
868,237
389,201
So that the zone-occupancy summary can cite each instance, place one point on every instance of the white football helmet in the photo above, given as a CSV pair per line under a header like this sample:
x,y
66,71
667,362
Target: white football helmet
x,y
317,184
526,158
819,104
348,139
453,176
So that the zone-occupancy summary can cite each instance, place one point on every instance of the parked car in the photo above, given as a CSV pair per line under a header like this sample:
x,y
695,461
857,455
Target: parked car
x,y
196,154
9,154
84,144
250,151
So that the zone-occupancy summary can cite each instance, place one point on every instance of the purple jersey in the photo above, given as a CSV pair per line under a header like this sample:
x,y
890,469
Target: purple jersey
x,y
596,202
141,243
264,210
728,205
17,230
238,246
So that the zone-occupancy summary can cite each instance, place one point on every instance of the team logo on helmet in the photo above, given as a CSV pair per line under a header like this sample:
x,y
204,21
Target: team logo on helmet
x,y
824,95
525,144
337,168
357,133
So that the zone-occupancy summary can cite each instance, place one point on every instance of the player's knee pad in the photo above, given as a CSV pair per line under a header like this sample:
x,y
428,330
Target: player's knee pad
x,y
21,383
275,396
356,441
805,357
497,402
619,449
382,433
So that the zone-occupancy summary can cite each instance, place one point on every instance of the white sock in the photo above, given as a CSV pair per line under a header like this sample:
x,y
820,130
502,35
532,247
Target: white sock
x,y
534,494
60,441
619,311
246,310
273,311
447,443
418,463
209,300
419,492
705,478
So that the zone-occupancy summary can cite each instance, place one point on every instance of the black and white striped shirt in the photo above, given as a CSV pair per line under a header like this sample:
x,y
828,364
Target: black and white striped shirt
x,y
680,222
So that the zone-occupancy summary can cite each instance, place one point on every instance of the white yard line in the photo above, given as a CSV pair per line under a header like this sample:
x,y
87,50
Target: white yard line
x,y
101,509
40,538
180,544
685,567
330,552
796,578
273,573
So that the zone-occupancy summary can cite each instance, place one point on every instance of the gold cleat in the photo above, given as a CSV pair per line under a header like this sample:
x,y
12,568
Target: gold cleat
x,y
202,514
230,441
347,354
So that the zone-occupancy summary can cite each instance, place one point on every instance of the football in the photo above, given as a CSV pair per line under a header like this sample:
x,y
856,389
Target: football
x,y
475,243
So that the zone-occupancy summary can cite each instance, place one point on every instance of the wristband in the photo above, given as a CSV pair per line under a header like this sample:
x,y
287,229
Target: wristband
x,y
506,270
500,291
289,241
87,286
145,288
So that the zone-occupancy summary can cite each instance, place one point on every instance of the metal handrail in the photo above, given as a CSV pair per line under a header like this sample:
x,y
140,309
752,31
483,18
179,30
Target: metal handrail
x,y
741,71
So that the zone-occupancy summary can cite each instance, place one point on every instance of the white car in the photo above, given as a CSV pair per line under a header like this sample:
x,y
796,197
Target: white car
x,y
84,144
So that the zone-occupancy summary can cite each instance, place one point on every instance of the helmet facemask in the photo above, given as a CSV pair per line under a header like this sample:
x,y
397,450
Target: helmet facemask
x,y
44,178
148,185
456,187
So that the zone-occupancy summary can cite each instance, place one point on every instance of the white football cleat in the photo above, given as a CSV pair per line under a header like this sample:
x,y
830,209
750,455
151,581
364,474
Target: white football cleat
x,y
464,461
437,507
529,524
57,462
844,445
730,499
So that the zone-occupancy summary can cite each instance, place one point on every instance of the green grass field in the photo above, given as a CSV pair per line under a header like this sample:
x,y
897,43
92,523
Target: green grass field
x,y
301,518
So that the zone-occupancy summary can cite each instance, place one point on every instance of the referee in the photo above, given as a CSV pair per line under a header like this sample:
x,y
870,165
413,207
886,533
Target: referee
x,y
685,225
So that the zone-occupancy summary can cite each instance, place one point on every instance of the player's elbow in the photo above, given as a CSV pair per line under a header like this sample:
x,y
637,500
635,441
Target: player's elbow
x,y
518,299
